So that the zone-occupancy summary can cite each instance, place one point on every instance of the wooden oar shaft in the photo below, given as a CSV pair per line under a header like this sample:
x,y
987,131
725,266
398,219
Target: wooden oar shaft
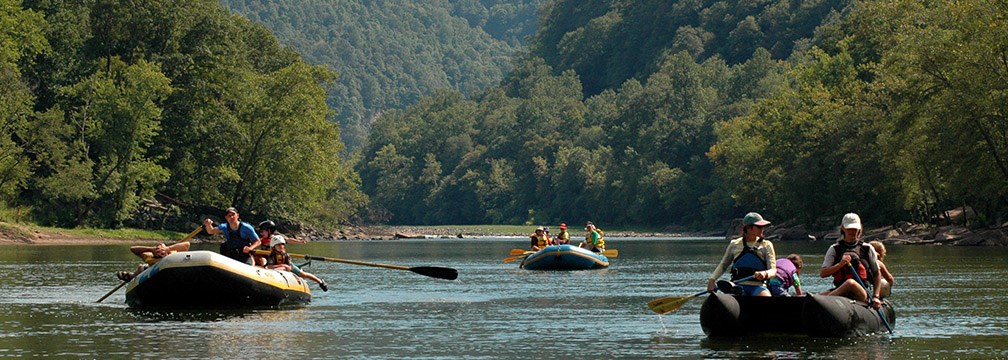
x,y
112,291
431,271
312,257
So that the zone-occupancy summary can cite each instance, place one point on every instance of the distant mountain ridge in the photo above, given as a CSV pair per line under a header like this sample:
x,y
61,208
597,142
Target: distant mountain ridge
x,y
389,53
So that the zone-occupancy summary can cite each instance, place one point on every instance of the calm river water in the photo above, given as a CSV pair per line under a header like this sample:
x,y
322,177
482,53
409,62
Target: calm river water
x,y
950,303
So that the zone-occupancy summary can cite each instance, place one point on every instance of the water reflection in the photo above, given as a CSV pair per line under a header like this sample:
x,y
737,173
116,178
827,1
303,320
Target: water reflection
x,y
793,347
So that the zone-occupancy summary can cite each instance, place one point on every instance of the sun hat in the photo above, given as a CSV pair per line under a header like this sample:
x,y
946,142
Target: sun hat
x,y
754,218
851,221
540,229
277,240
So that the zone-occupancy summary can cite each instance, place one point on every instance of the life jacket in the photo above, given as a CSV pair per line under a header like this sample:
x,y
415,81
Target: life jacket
x,y
233,244
601,240
747,263
563,235
277,258
859,251
541,241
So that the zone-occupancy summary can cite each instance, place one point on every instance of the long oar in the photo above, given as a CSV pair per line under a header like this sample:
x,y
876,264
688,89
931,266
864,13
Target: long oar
x,y
518,257
669,304
432,271
879,311
186,238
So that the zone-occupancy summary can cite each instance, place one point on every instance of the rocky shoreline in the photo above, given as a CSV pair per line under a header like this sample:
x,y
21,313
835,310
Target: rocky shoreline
x,y
901,233
905,233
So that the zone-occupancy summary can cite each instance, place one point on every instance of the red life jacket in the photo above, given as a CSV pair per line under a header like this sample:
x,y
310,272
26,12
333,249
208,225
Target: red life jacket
x,y
859,259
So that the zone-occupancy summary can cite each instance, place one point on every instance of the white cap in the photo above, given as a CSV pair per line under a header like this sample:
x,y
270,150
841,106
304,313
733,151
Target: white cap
x,y
277,240
851,221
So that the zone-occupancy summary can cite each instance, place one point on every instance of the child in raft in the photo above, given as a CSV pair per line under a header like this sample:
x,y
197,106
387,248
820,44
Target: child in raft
x,y
887,277
278,259
787,275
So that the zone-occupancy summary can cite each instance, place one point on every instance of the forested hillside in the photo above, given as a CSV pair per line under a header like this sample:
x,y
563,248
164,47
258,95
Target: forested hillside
x,y
105,104
390,53
693,112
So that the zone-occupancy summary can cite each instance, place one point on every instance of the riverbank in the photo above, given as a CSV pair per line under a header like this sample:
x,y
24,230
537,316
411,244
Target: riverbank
x,y
902,233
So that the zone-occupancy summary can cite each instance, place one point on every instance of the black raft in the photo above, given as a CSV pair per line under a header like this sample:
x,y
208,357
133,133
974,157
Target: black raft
x,y
814,315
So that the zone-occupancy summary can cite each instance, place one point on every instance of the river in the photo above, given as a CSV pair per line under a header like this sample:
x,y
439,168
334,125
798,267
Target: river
x,y
949,302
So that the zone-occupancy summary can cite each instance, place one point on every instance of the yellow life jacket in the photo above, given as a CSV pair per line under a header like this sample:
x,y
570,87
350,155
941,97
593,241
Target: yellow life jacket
x,y
148,257
541,241
601,239
562,236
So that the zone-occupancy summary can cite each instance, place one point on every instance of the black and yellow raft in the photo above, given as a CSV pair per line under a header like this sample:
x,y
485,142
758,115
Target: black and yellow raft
x,y
205,279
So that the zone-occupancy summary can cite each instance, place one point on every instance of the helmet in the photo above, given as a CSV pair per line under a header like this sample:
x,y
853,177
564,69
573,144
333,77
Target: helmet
x,y
277,240
267,225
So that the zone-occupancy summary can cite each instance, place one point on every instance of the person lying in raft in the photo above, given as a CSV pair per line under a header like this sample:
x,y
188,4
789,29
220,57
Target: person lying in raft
x,y
850,252
787,276
540,239
278,259
594,238
151,255
749,255
266,231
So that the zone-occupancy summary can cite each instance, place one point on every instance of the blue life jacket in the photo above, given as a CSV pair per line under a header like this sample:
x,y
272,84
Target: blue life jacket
x,y
747,263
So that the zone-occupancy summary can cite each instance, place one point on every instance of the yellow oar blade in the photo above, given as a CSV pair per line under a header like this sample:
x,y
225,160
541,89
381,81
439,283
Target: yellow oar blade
x,y
514,258
611,253
515,252
669,304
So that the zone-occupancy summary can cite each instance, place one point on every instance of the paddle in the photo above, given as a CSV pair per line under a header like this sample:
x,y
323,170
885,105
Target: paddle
x,y
186,238
879,311
669,304
431,271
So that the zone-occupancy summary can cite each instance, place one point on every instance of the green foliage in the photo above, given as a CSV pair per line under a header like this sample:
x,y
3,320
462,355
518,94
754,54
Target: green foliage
x,y
21,38
389,54
178,100
610,42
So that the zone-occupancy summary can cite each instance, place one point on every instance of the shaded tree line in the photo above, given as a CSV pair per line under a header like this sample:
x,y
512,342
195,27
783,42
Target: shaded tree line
x,y
106,103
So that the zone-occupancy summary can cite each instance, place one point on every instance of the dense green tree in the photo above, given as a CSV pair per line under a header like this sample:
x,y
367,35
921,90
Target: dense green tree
x,y
183,101
21,38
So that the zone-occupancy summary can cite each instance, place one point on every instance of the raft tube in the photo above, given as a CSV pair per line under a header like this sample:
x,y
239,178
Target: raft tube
x,y
724,315
564,257
205,279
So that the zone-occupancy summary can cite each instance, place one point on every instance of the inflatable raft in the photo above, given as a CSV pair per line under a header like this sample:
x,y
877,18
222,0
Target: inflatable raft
x,y
814,315
198,279
564,257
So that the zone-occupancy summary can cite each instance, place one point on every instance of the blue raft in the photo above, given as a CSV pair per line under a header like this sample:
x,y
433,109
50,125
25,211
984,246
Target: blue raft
x,y
564,257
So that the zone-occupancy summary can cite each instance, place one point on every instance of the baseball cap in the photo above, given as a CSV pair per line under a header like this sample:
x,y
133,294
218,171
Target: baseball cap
x,y
851,221
754,218
230,210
